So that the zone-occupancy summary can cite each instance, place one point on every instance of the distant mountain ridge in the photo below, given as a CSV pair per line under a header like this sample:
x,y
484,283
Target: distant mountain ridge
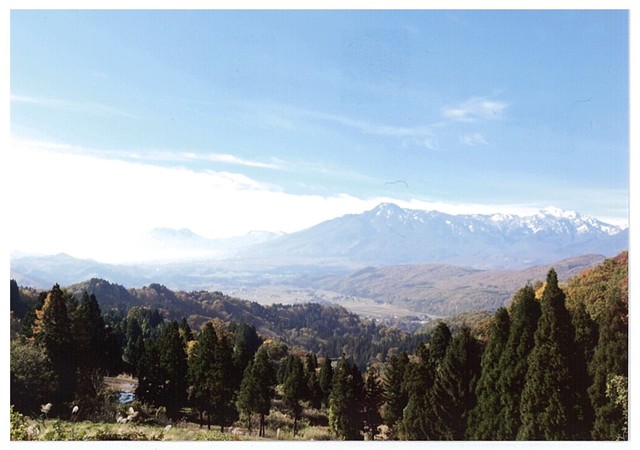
x,y
389,235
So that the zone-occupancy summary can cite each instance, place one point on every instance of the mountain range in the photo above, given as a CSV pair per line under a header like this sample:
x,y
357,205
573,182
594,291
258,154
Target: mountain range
x,y
389,235
421,261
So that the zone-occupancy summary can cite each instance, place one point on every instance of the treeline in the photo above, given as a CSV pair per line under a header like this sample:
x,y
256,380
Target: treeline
x,y
322,329
545,373
553,366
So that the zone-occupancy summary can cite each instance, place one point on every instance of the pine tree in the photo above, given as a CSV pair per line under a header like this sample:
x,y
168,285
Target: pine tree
x,y
325,379
224,385
485,418
548,403
173,361
133,349
345,401
513,365
395,395
373,400
294,389
151,377
417,383
256,389
202,372
454,386
185,332
52,330
586,338
610,361
88,331
246,343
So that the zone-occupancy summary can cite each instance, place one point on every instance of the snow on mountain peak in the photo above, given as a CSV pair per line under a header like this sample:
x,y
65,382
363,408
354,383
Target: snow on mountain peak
x,y
559,213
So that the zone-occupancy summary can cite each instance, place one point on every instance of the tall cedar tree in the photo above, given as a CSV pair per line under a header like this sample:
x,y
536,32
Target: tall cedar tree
x,y
417,383
373,399
454,386
185,332
586,338
257,389
345,401
202,373
548,405
173,360
314,393
246,343
224,385
325,378
89,338
151,376
249,387
438,346
294,389
133,350
18,308
524,314
395,395
485,418
610,360
52,330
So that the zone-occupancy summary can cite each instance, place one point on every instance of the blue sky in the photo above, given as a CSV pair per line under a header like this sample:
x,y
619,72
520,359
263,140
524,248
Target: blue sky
x,y
230,121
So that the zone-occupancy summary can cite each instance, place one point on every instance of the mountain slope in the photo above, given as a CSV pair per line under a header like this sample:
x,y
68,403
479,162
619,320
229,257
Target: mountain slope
x,y
390,235
445,289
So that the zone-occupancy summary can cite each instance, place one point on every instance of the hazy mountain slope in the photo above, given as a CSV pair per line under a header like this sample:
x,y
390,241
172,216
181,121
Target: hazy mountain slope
x,y
446,289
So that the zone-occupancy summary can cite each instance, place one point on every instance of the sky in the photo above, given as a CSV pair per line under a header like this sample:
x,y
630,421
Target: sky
x,y
224,122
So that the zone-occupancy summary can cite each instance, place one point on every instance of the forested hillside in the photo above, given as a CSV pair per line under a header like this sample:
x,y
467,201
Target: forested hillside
x,y
552,366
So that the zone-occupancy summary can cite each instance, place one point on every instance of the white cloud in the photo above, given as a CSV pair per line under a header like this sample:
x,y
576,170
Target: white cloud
x,y
93,108
99,208
474,109
94,207
473,139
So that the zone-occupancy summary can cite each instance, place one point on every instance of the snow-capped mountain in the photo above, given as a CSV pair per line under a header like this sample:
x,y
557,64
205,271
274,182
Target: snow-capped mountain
x,y
389,234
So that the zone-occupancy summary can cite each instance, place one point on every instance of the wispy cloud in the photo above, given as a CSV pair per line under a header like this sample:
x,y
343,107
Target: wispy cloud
x,y
230,159
473,139
476,108
154,156
93,108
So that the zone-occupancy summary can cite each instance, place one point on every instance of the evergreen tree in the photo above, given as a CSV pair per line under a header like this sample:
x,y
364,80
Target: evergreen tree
x,y
173,361
52,330
88,331
185,332
249,388
246,343
417,383
373,400
485,418
133,349
202,373
610,361
313,391
513,365
325,378
256,389
294,389
454,386
151,376
548,404
586,338
18,308
345,401
224,385
395,395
